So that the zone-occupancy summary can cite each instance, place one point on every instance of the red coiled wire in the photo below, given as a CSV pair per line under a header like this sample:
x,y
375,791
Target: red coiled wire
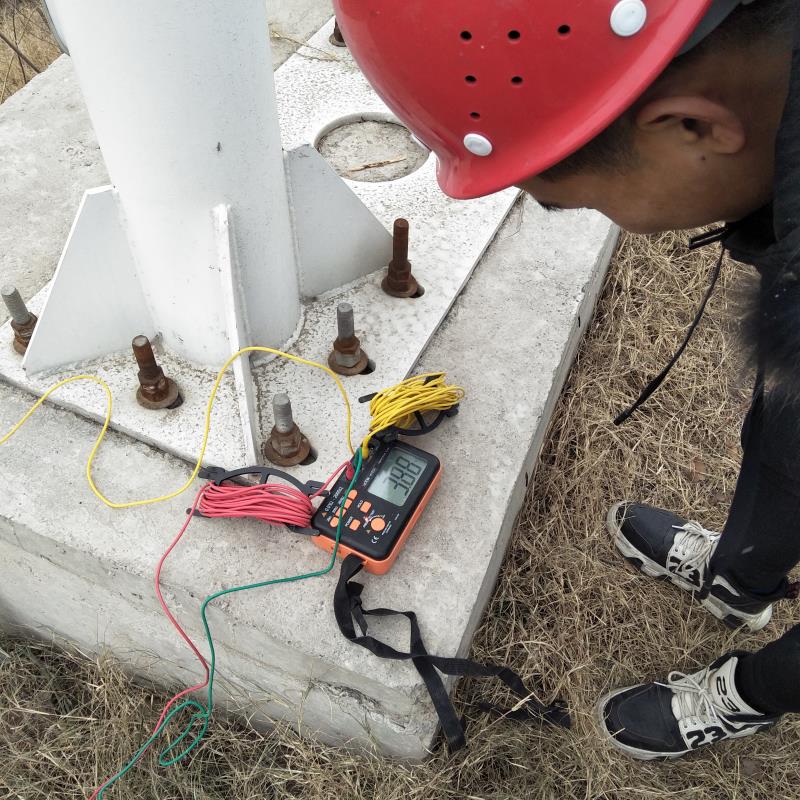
x,y
274,503
270,502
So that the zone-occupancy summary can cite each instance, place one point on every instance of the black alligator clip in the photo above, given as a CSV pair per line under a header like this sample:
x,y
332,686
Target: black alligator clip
x,y
425,426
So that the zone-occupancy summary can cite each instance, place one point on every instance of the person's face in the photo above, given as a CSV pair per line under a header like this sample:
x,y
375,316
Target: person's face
x,y
650,198
695,163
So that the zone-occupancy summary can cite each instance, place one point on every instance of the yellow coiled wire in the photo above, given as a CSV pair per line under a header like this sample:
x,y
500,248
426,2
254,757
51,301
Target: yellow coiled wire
x,y
397,406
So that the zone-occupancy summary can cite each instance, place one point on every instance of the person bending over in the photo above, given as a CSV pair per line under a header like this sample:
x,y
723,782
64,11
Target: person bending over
x,y
661,114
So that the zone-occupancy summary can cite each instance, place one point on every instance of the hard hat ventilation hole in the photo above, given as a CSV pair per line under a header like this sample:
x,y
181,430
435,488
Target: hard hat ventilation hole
x,y
564,30
466,35
514,35
516,80
475,115
471,79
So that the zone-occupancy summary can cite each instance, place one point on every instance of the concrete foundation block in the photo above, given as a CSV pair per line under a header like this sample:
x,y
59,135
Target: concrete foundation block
x,y
73,567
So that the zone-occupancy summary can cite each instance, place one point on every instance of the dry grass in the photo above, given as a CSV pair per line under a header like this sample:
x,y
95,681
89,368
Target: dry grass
x,y
565,606
23,24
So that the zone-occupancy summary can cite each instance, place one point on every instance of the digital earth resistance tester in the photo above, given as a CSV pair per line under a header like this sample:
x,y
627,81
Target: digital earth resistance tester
x,y
394,486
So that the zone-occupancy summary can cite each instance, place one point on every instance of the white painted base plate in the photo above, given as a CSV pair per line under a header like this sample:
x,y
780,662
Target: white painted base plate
x,y
382,323
315,87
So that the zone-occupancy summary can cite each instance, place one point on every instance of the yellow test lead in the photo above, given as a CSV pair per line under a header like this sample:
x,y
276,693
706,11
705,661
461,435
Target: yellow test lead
x,y
206,430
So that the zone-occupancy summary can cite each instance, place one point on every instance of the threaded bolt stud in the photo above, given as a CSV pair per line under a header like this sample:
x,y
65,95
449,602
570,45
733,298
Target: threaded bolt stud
x,y
155,390
282,411
286,445
347,356
345,321
23,322
400,243
146,358
16,305
399,282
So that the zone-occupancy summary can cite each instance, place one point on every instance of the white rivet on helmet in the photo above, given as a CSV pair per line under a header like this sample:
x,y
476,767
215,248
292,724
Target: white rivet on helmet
x,y
628,17
478,145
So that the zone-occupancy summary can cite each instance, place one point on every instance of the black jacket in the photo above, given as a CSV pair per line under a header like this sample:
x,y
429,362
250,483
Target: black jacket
x,y
770,241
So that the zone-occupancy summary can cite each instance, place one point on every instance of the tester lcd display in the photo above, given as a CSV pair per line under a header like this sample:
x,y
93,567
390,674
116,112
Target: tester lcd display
x,y
398,476
395,484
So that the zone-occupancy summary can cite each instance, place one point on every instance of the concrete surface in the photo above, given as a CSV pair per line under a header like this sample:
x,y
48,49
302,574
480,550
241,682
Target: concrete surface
x,y
316,87
372,151
84,572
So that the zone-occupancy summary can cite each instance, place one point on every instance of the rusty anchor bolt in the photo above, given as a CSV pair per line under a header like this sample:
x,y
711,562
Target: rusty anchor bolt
x,y
399,282
286,446
155,390
347,357
336,38
22,321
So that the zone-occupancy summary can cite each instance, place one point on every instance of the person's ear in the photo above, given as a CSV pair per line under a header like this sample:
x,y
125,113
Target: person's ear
x,y
697,120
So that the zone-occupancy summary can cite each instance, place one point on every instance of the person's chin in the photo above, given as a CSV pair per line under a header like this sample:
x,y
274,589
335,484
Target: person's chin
x,y
653,226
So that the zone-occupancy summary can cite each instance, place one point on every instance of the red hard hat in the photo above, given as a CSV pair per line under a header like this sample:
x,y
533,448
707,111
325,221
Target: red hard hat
x,y
501,90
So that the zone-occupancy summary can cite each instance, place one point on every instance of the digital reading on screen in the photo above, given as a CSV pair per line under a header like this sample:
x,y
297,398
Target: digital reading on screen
x,y
397,477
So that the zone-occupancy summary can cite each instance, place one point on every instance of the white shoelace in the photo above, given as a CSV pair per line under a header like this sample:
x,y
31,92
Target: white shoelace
x,y
693,545
691,697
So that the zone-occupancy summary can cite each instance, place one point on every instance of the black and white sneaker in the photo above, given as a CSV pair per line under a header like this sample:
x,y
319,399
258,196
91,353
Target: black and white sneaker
x,y
669,720
663,545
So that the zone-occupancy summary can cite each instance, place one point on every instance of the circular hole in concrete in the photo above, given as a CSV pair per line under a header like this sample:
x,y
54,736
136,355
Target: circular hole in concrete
x,y
310,458
370,368
420,291
371,150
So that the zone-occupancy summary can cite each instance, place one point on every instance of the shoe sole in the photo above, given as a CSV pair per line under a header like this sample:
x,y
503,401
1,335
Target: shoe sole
x,y
649,755
722,611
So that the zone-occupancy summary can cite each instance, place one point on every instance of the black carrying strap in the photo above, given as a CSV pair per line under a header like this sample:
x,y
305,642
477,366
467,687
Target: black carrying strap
x,y
347,606
652,387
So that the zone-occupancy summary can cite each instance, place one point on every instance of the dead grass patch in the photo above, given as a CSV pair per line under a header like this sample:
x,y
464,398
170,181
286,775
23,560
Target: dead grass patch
x,y
25,28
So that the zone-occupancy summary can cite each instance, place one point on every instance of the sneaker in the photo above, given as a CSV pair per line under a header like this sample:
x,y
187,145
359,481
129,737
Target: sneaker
x,y
663,545
669,720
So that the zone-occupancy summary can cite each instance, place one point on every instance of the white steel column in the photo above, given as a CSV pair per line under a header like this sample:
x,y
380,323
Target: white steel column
x,y
181,96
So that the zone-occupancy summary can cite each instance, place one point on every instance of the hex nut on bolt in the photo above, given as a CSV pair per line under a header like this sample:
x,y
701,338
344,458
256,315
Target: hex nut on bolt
x,y
399,282
347,357
155,390
286,446
22,321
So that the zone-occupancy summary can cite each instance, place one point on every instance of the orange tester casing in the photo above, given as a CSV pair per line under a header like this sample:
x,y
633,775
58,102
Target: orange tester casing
x,y
379,513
